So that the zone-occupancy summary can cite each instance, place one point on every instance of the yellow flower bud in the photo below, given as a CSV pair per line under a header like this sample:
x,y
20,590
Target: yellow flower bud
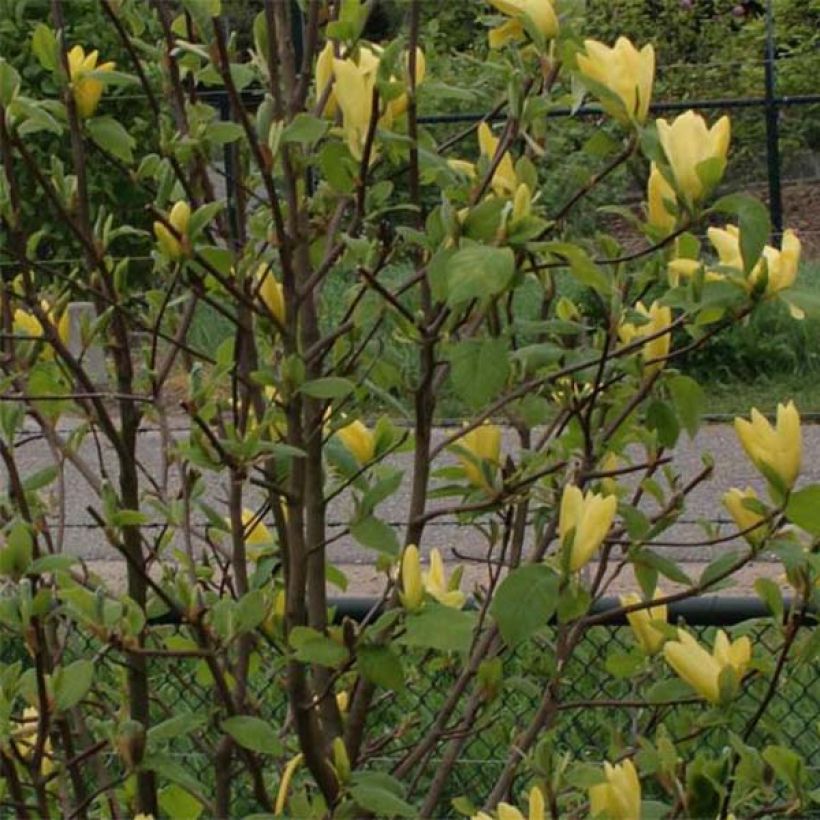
x,y
341,761
625,72
658,193
178,218
504,182
687,142
484,443
86,90
272,293
619,798
358,441
649,638
655,351
745,518
589,517
284,785
700,669
398,106
412,586
781,265
540,12
435,583
774,450
342,701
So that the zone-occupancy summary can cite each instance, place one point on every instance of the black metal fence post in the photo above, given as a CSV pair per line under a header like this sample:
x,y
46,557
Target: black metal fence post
x,y
773,128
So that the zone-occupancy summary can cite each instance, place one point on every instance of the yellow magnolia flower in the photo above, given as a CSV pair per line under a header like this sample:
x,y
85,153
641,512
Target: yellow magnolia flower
x,y
540,12
178,218
355,81
86,90
398,106
358,440
26,739
687,142
686,268
658,192
522,202
624,71
256,533
619,798
649,638
271,293
324,77
504,182
743,516
505,811
484,443
353,88
777,449
589,517
435,583
657,348
412,584
27,324
700,669
781,265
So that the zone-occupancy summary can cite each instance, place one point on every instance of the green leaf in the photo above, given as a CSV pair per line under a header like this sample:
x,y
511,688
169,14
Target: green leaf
x,y
483,220
661,417
440,627
112,137
667,568
44,46
42,478
380,794
52,563
803,509
15,556
305,129
129,518
375,534
332,387
582,267
479,370
525,601
177,802
253,733
769,592
690,402
668,690
313,647
71,683
754,224
718,567
222,133
337,167
9,83
177,726
478,272
787,765
381,666
250,611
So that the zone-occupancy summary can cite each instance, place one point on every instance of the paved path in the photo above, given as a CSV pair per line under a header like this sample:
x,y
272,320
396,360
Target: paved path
x,y
83,538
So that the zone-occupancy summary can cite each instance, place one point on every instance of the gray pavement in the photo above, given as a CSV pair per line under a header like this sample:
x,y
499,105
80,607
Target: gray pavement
x,y
82,537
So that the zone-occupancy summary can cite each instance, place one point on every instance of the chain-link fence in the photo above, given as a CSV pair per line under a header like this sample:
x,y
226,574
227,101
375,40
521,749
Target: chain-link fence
x,y
610,698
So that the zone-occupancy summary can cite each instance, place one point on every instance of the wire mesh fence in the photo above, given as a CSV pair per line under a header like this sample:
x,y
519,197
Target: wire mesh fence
x,y
611,696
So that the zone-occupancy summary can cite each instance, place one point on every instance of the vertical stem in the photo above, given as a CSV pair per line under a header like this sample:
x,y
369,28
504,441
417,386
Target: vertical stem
x,y
138,689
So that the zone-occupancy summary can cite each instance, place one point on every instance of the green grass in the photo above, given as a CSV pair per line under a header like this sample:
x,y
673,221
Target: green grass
x,y
769,358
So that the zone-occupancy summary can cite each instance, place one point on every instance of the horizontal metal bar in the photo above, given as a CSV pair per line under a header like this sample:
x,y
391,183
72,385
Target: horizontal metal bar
x,y
713,610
